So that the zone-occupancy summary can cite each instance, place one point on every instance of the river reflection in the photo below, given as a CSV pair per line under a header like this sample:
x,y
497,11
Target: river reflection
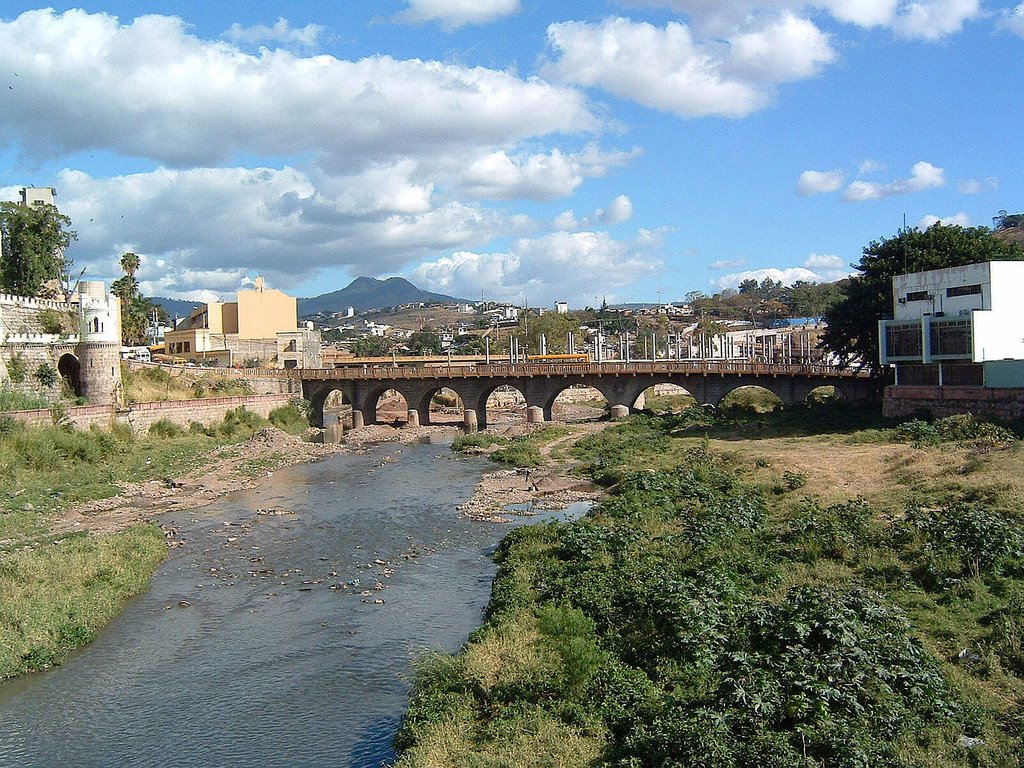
x,y
274,640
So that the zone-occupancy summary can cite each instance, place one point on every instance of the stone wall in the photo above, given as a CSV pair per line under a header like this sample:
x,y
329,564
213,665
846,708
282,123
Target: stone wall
x,y
140,416
908,401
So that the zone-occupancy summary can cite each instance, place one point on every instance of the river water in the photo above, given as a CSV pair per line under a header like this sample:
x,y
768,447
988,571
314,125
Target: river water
x,y
274,640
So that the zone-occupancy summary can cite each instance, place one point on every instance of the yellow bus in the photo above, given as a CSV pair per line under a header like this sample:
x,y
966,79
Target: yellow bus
x,y
581,357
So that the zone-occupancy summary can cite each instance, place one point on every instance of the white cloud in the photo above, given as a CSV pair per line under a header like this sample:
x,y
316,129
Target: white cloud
x,y
923,176
921,19
281,32
569,266
819,182
785,276
150,89
869,166
285,223
727,264
619,210
817,268
454,14
498,175
977,186
820,261
1013,20
957,219
935,19
671,70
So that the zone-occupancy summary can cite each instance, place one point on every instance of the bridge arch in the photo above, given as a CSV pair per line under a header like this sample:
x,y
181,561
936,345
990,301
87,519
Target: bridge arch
x,y
436,397
664,397
568,395
752,397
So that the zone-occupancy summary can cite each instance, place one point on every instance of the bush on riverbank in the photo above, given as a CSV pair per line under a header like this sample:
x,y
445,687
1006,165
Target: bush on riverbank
x,y
716,617
57,592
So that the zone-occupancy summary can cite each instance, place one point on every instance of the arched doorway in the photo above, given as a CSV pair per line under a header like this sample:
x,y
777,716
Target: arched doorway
x,y
70,371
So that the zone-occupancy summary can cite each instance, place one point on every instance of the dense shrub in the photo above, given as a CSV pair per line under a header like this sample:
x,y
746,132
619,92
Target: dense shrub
x,y
963,428
165,428
293,417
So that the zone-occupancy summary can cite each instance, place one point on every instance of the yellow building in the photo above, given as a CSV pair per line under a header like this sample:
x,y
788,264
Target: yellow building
x,y
249,327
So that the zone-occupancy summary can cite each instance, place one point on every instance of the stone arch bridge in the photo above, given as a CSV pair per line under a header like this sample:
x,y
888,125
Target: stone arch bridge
x,y
622,384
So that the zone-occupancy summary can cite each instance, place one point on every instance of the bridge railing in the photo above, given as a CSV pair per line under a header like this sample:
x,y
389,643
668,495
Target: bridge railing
x,y
706,367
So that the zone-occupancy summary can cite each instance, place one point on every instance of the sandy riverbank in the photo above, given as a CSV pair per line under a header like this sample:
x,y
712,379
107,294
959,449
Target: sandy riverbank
x,y
240,466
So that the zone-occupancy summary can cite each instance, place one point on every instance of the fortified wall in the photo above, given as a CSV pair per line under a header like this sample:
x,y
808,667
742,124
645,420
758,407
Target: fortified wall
x,y
46,344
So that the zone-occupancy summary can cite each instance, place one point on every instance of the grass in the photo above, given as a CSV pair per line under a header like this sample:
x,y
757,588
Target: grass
x,y
145,385
58,592
676,624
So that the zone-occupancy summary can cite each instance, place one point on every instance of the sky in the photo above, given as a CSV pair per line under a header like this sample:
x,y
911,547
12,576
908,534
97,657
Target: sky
x,y
509,150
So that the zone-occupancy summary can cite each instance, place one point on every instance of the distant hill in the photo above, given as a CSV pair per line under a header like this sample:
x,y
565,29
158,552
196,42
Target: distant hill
x,y
176,307
365,293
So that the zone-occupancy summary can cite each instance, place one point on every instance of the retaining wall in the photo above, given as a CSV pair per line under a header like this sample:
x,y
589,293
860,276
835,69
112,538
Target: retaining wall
x,y
140,416
908,401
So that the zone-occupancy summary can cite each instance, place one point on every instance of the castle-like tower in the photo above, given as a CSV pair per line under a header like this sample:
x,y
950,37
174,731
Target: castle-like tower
x,y
99,344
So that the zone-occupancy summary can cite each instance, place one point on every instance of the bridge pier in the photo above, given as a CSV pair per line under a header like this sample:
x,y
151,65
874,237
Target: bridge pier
x,y
357,419
469,421
414,418
535,415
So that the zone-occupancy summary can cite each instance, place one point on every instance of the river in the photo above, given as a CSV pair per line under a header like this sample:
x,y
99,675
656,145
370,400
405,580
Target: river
x,y
274,640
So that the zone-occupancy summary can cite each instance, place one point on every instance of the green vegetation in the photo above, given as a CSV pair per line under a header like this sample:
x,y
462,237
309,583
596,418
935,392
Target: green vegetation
x,y
852,332
57,592
292,418
521,451
144,385
725,606
33,240
17,368
13,400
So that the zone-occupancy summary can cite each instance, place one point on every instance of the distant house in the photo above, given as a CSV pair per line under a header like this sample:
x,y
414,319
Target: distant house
x,y
262,323
957,326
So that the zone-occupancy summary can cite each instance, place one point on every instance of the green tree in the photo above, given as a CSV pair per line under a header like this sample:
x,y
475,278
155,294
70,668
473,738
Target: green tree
x,y
135,308
866,298
33,240
372,346
812,299
425,341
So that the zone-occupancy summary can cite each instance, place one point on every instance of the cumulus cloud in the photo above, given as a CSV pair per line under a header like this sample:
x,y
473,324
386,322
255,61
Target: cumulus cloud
x,y
869,166
672,70
956,220
921,19
817,268
454,14
922,176
1012,20
283,222
281,32
977,186
498,175
727,264
819,182
935,19
573,266
617,211
150,89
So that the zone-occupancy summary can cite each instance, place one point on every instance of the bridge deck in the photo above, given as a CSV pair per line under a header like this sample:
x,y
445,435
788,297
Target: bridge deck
x,y
531,370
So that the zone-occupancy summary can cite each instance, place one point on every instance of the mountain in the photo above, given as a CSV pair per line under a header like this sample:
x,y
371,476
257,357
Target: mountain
x,y
365,293
176,307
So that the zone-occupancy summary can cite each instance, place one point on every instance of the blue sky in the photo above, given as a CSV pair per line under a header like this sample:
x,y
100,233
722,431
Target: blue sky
x,y
509,149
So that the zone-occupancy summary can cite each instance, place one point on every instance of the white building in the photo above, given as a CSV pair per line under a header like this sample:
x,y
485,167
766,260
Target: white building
x,y
957,326
562,307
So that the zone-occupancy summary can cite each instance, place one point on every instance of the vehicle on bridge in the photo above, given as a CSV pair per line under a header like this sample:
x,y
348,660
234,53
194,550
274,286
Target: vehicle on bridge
x,y
582,357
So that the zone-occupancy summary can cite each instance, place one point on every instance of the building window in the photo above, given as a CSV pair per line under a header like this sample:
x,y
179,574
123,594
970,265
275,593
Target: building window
x,y
188,346
918,296
963,290
903,340
953,338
